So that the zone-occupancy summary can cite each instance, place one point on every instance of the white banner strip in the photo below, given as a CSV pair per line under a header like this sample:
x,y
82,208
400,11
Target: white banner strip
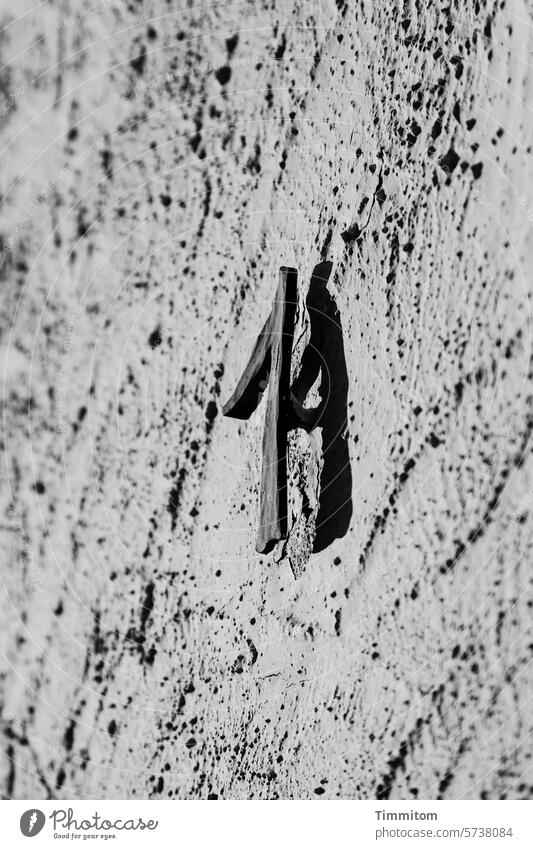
x,y
258,824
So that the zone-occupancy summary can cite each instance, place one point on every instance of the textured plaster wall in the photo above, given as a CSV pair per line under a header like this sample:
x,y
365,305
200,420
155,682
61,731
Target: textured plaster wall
x,y
160,162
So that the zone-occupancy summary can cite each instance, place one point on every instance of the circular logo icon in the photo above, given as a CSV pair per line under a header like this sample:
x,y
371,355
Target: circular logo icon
x,y
31,822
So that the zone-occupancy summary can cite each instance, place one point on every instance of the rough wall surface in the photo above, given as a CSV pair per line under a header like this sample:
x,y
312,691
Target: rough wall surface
x,y
161,161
